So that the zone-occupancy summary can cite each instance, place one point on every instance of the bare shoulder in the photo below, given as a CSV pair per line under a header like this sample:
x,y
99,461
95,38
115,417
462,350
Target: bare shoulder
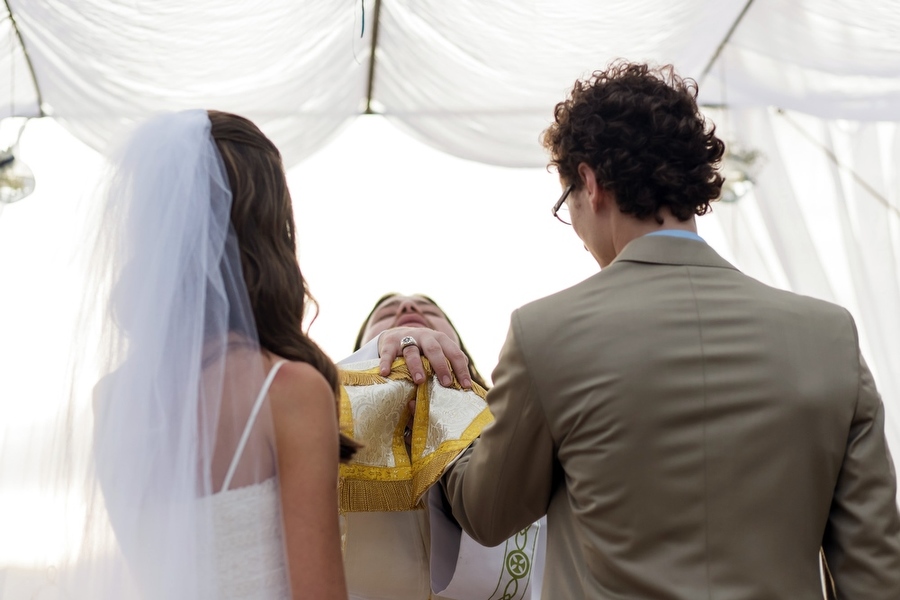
x,y
305,415
296,374
300,387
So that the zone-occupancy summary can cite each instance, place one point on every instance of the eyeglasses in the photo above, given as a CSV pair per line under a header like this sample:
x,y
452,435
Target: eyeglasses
x,y
561,209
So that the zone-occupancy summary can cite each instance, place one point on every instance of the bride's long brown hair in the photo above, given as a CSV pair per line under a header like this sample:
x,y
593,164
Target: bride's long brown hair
x,y
263,220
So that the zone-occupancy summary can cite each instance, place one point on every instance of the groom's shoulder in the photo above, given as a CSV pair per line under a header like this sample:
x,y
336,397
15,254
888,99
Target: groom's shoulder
x,y
763,295
618,290
559,305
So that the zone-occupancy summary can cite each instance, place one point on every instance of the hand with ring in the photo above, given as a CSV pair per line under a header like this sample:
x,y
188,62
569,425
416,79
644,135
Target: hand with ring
x,y
412,343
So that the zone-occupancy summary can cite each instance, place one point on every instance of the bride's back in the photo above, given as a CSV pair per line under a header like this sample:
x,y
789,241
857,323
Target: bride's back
x,y
248,547
242,374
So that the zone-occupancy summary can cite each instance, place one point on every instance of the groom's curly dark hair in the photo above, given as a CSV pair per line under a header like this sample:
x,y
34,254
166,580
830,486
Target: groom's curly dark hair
x,y
641,132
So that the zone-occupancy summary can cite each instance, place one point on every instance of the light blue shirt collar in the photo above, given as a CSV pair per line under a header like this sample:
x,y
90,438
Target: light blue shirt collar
x,y
688,235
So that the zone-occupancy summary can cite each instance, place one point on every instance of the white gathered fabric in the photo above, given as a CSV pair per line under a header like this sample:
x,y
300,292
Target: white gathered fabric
x,y
835,59
296,69
475,79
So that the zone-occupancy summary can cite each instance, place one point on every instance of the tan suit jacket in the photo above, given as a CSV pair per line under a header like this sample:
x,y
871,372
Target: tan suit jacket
x,y
691,433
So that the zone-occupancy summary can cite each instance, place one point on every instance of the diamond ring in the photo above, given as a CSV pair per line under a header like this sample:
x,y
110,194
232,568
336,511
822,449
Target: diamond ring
x,y
408,341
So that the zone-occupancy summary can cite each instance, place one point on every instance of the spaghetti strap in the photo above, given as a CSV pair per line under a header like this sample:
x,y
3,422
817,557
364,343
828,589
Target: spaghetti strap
x,y
252,419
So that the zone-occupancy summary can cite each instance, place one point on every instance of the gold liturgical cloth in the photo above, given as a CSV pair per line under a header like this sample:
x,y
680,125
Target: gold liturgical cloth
x,y
383,476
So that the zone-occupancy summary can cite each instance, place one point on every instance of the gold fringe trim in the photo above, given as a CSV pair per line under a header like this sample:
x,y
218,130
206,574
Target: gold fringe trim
x,y
359,378
377,474
399,372
362,496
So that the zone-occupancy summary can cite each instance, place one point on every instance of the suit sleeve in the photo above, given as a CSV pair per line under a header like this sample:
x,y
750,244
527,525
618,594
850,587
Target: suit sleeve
x,y
503,482
862,537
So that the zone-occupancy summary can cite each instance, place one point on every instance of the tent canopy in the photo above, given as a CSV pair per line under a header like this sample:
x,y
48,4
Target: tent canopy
x,y
474,78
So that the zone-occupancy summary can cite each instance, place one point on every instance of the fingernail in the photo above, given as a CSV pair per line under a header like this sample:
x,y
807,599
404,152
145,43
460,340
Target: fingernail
x,y
419,377
466,383
446,380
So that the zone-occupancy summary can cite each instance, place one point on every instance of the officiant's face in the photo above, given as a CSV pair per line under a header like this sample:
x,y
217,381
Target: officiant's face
x,y
407,311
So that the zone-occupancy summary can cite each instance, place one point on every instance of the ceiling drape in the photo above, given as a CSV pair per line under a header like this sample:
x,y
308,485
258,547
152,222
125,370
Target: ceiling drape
x,y
475,78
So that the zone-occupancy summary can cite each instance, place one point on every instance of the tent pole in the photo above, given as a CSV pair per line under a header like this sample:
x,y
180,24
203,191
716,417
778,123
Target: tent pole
x,y
37,89
371,85
727,38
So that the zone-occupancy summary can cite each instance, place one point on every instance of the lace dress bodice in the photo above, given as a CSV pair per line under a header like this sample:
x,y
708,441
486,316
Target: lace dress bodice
x,y
249,548
249,540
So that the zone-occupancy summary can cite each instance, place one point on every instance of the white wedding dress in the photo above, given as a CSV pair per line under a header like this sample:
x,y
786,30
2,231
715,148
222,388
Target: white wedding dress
x,y
249,542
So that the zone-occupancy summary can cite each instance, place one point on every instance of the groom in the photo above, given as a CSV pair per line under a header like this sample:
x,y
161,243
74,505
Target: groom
x,y
688,431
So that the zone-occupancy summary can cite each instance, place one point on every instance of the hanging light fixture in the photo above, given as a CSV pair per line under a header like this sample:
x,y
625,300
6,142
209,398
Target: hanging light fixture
x,y
16,178
740,168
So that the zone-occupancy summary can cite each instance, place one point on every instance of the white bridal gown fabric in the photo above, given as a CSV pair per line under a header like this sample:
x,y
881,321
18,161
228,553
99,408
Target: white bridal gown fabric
x,y
249,543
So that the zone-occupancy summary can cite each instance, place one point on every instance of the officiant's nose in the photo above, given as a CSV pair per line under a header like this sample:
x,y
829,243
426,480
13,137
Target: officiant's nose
x,y
411,312
408,305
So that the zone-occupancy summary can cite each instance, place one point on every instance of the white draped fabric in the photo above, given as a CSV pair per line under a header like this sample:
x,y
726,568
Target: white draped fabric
x,y
836,59
480,79
474,78
295,68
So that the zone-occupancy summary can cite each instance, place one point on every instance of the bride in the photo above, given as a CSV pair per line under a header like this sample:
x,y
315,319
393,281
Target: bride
x,y
213,461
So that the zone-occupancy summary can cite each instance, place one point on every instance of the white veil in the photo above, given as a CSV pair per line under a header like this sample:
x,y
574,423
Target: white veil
x,y
166,372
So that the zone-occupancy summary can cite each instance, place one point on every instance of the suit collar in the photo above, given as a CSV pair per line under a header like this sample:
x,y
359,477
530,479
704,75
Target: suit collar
x,y
670,250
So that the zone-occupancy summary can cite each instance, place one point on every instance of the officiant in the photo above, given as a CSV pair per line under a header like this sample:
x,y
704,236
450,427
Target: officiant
x,y
398,541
